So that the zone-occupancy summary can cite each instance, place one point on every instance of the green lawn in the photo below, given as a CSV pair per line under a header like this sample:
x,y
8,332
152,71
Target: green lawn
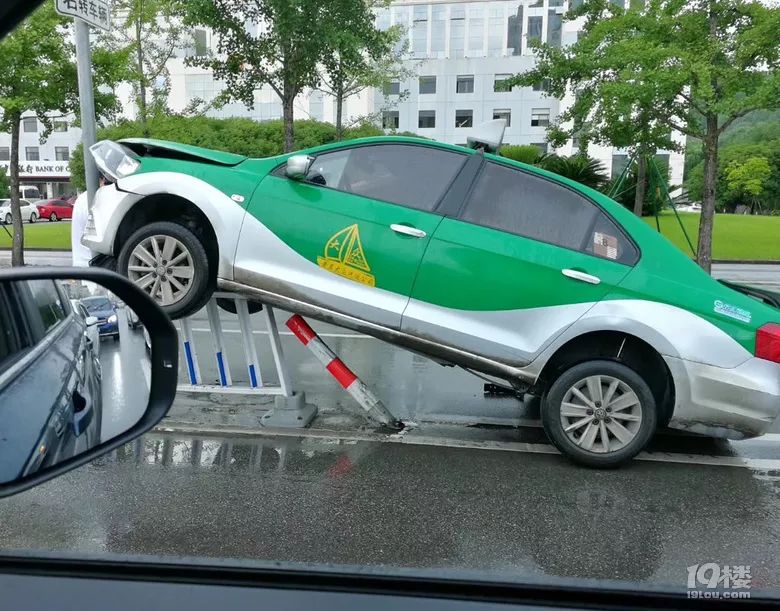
x,y
42,234
735,236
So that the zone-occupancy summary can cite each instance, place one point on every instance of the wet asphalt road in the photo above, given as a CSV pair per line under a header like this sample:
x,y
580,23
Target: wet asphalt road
x,y
126,377
512,515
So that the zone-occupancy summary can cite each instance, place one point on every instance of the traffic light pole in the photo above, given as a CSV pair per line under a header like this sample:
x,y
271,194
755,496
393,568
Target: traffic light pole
x,y
87,103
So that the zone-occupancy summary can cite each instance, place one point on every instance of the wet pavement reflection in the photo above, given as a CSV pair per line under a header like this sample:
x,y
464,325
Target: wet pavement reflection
x,y
513,515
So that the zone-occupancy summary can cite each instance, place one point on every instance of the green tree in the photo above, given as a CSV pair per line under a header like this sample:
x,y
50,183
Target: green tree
x,y
4,184
581,168
524,153
148,32
605,110
273,42
749,178
38,75
358,55
694,66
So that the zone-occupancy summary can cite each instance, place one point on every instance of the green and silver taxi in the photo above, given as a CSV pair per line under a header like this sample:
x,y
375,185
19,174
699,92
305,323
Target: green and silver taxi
x,y
466,257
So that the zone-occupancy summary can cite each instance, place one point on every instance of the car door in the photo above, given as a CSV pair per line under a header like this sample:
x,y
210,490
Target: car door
x,y
523,259
350,236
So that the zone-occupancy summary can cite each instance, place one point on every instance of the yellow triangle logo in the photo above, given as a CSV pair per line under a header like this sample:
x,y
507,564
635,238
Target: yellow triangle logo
x,y
344,256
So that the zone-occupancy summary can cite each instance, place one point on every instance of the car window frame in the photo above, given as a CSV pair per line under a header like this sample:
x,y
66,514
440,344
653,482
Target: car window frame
x,y
40,338
278,171
464,203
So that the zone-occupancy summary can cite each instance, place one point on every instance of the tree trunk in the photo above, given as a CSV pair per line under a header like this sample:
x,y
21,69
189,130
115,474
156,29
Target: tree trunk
x,y
142,111
339,110
641,183
710,148
17,245
287,116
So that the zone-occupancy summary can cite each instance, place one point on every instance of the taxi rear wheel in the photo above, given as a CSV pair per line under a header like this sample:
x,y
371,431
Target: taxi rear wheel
x,y
599,413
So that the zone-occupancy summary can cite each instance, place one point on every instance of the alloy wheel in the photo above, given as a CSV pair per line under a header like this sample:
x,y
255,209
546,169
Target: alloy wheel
x,y
162,266
601,414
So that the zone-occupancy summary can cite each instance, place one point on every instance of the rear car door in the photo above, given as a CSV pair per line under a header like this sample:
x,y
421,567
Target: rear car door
x,y
524,258
351,235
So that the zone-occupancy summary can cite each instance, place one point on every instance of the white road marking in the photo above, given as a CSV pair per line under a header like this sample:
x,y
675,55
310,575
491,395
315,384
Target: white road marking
x,y
339,335
763,464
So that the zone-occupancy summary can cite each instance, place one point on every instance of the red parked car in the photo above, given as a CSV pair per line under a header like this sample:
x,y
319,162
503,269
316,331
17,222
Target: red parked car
x,y
55,209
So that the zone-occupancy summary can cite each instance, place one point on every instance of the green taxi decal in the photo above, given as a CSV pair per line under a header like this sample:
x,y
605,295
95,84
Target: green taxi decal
x,y
344,256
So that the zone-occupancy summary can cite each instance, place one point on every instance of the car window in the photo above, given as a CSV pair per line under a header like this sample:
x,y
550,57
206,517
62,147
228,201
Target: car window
x,y
12,338
96,304
518,202
409,175
49,302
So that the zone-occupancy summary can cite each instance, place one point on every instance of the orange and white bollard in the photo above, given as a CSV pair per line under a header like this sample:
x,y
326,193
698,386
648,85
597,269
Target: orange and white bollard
x,y
343,374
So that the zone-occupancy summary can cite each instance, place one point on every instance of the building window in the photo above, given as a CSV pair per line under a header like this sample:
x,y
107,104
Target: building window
x,y
514,33
503,113
542,146
390,119
464,118
31,153
534,29
457,30
619,163
30,124
495,31
465,84
540,117
555,3
5,153
427,84
542,85
60,126
500,84
61,153
438,29
392,88
420,30
476,30
426,118
554,28
200,41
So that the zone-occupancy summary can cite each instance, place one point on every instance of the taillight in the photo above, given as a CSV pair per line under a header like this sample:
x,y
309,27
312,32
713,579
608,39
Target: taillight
x,y
768,342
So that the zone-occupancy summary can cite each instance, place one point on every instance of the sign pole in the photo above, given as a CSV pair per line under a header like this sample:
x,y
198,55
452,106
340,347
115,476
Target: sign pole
x,y
87,103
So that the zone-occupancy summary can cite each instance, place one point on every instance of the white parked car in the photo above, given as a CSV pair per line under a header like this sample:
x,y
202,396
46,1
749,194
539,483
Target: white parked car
x,y
91,321
28,209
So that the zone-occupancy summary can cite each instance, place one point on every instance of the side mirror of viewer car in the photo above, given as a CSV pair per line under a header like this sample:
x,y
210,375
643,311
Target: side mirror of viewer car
x,y
298,166
76,381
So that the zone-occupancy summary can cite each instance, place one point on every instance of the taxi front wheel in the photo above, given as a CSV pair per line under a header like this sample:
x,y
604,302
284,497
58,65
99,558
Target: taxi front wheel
x,y
599,413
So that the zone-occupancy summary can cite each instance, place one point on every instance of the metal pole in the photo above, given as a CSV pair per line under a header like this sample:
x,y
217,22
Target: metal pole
x,y
87,103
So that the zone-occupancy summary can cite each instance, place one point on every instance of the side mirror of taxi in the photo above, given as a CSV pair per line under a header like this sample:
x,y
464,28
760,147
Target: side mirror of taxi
x,y
53,321
298,166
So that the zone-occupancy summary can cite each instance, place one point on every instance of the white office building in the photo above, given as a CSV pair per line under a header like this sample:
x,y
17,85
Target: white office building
x,y
43,165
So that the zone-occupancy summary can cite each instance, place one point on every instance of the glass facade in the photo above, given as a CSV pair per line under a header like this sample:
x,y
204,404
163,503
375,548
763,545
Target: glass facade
x,y
478,29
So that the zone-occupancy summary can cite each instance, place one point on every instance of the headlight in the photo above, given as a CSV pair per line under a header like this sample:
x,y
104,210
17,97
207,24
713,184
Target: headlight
x,y
112,318
113,159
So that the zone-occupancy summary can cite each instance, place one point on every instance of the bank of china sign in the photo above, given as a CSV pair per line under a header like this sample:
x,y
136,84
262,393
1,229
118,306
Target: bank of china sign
x,y
40,168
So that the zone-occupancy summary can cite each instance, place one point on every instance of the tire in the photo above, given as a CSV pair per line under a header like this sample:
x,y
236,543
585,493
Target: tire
x,y
197,287
33,217
230,306
53,217
637,421
8,219
116,338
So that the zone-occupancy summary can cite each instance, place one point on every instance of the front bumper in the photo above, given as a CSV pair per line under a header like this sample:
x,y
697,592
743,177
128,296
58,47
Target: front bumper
x,y
108,329
108,210
732,403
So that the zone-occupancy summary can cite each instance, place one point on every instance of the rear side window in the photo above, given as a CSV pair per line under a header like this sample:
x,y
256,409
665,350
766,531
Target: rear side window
x,y
408,175
518,202
48,302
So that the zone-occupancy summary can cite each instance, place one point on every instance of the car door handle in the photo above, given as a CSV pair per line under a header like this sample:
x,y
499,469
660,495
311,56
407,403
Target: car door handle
x,y
406,230
581,276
